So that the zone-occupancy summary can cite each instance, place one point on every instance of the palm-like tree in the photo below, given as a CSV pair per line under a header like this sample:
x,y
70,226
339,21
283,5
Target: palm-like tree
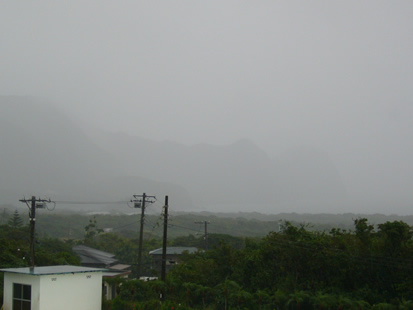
x,y
362,305
263,298
280,298
406,305
297,300
324,301
383,306
227,288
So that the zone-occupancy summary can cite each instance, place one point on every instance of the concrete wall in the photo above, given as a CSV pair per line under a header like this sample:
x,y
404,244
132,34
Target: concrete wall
x,y
62,291
10,278
71,291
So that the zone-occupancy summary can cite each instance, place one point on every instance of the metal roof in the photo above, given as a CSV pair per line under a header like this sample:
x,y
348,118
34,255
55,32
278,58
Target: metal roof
x,y
62,269
114,274
119,267
93,256
177,250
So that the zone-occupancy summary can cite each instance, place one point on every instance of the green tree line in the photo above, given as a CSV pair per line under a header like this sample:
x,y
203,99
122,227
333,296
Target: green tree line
x,y
293,267
70,225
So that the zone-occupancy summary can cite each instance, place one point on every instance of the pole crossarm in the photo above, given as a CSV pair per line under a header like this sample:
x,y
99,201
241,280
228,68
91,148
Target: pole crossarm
x,y
39,202
140,198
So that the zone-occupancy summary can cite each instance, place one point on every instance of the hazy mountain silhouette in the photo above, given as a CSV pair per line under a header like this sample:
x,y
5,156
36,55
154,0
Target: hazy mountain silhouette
x,y
239,176
212,174
44,153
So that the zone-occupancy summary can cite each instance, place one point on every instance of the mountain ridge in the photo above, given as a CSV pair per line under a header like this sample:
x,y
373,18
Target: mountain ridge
x,y
56,157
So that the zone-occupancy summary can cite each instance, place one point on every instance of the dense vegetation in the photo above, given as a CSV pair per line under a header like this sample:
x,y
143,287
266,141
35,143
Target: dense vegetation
x,y
294,267
70,225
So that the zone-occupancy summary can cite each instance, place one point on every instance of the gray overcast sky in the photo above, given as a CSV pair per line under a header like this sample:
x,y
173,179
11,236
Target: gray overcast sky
x,y
335,75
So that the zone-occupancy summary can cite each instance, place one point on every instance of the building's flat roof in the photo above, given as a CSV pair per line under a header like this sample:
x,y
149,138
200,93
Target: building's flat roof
x,y
62,269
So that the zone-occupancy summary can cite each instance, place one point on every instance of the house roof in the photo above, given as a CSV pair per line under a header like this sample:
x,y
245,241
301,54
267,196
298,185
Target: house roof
x,y
62,269
174,250
90,256
114,274
119,267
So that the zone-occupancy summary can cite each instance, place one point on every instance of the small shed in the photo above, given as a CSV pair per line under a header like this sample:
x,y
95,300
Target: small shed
x,y
53,287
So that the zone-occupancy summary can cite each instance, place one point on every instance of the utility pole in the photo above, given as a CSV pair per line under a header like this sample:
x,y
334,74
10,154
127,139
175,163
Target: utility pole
x,y
34,204
165,239
140,202
205,233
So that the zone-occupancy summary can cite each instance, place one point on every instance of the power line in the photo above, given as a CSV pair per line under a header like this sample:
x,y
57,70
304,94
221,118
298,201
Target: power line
x,y
174,225
90,202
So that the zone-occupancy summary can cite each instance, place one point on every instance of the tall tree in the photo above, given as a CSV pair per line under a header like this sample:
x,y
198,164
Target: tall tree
x,y
15,221
91,230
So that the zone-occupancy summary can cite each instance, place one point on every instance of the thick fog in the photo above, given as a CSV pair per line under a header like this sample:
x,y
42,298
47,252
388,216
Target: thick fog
x,y
333,77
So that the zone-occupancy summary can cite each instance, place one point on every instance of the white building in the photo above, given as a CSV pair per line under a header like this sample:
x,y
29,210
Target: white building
x,y
53,287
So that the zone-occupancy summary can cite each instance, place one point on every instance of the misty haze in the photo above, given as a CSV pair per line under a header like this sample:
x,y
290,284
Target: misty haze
x,y
224,106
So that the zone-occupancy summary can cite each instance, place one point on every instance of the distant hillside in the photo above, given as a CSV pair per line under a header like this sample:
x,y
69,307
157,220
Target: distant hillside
x,y
43,152
235,177
71,224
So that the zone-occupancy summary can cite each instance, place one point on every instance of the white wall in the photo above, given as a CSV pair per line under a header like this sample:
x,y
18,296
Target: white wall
x,y
71,291
81,291
10,278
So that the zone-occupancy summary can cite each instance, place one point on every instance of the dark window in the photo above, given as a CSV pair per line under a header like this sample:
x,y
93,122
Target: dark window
x,y
22,296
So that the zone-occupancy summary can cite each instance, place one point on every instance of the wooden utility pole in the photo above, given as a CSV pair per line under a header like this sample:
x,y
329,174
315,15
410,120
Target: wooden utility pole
x,y
205,233
165,239
32,215
141,234
141,203
34,204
